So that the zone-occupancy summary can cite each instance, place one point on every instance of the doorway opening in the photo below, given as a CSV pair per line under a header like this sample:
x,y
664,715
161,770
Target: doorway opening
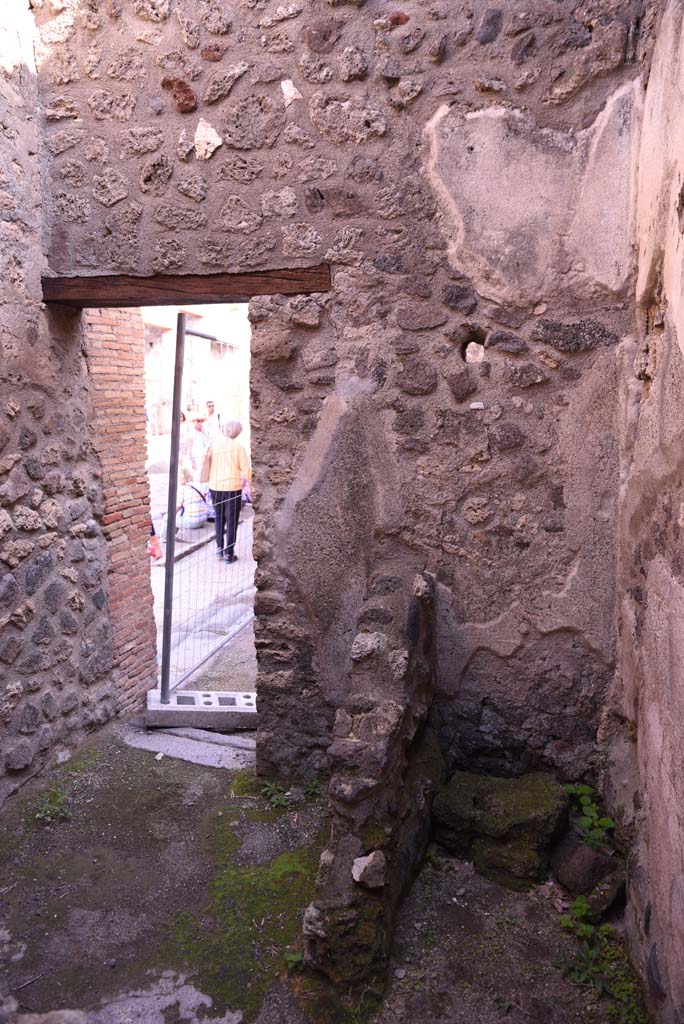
x,y
205,589
115,345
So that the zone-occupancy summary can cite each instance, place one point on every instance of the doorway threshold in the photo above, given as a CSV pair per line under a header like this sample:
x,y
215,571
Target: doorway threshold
x,y
200,747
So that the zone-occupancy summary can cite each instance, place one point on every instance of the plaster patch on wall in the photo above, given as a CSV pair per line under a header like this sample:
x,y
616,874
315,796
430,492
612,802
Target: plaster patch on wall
x,y
532,212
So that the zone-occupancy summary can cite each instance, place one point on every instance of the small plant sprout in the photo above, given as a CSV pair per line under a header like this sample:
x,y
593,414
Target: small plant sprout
x,y
593,826
600,963
52,807
275,794
294,959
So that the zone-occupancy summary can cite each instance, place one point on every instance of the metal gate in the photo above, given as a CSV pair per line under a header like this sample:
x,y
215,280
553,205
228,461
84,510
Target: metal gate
x,y
207,600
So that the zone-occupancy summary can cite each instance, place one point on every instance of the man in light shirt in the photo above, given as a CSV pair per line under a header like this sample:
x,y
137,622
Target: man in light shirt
x,y
196,447
226,467
212,423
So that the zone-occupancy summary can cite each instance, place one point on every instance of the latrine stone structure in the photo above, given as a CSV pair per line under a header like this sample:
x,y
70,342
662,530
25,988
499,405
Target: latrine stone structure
x,y
501,180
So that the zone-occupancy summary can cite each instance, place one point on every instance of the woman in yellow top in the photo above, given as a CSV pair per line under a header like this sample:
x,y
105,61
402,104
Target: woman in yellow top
x,y
226,466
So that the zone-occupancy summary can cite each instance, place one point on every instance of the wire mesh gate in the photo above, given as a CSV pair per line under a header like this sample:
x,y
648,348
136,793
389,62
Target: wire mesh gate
x,y
207,600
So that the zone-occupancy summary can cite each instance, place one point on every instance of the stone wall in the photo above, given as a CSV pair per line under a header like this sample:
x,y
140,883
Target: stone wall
x,y
115,355
55,635
385,767
458,170
472,175
645,723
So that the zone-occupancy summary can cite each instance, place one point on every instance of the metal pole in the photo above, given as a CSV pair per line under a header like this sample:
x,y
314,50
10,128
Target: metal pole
x,y
171,509
199,334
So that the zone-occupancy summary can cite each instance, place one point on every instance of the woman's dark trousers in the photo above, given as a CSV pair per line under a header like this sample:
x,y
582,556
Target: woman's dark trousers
x,y
227,505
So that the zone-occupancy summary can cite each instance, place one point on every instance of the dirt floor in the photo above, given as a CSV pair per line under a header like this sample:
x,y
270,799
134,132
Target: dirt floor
x,y
155,891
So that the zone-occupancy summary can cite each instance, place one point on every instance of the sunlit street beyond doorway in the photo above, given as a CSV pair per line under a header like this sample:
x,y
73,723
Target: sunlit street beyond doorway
x,y
212,637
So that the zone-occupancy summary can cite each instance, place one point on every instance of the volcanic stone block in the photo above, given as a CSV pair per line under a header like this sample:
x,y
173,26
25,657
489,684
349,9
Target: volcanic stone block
x,y
214,16
507,826
587,872
137,141
184,96
321,35
504,341
490,26
110,187
152,10
221,82
460,297
19,756
106,106
345,120
353,65
254,122
574,337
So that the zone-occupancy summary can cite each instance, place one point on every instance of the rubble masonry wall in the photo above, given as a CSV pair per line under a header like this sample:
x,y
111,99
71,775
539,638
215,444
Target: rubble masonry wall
x,y
194,137
471,174
55,630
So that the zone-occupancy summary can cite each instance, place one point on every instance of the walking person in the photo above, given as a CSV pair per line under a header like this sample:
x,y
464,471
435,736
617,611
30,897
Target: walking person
x,y
212,422
226,467
197,446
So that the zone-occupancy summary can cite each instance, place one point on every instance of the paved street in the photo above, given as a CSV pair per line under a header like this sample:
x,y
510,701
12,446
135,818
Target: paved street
x,y
211,598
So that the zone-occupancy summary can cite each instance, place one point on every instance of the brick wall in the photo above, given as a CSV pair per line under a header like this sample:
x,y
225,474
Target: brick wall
x,y
115,354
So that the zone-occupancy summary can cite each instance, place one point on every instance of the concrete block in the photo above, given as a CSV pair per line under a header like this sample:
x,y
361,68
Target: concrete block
x,y
200,709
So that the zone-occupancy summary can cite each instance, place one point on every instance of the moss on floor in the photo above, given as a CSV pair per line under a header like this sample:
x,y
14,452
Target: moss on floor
x,y
166,866
626,1004
245,783
51,803
119,867
237,944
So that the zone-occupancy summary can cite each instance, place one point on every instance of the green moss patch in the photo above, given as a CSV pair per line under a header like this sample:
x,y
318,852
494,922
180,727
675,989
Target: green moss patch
x,y
264,815
600,963
323,1003
626,1004
237,944
245,783
507,826
54,803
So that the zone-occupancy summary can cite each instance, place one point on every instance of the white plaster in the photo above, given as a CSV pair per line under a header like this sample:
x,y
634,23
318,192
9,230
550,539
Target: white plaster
x,y
661,172
532,212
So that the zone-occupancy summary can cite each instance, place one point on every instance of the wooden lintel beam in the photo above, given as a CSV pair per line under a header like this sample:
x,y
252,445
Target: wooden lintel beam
x,y
100,292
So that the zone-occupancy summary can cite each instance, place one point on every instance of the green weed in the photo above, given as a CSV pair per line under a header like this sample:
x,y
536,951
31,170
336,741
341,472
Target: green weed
x,y
51,806
294,958
593,826
275,794
601,963
502,1006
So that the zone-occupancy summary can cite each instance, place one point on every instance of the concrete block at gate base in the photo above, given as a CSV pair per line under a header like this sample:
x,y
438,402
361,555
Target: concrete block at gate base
x,y
203,709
